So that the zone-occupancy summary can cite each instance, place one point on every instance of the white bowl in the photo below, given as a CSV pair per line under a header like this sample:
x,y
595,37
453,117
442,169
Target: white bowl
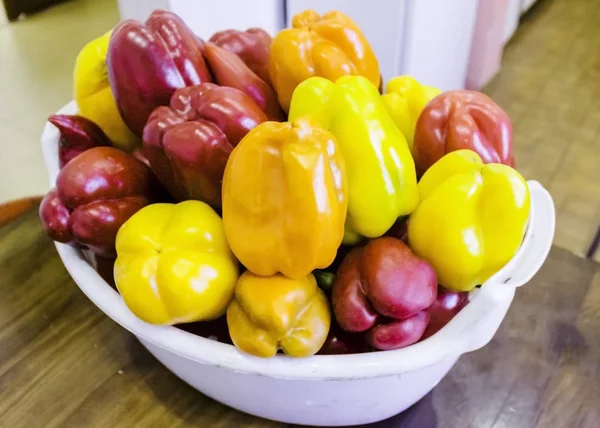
x,y
324,390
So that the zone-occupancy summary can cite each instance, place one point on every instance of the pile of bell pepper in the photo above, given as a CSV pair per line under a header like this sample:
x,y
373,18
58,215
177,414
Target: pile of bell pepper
x,y
268,192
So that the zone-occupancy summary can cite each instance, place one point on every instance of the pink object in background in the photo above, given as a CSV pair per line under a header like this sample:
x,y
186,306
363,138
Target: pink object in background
x,y
488,42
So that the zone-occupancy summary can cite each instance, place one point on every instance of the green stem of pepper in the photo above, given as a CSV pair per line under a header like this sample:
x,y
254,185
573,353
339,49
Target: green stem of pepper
x,y
324,279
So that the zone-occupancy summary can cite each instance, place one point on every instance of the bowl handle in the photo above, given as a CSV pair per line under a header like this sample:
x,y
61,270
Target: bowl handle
x,y
490,303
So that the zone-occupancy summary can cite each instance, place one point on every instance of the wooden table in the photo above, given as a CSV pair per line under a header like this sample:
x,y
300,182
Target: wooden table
x,y
63,363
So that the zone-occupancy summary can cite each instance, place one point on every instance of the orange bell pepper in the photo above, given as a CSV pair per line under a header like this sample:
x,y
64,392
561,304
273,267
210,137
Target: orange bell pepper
x,y
329,46
275,312
285,197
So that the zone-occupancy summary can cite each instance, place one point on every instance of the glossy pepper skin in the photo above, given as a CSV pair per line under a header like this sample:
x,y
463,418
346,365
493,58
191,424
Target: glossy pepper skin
x,y
252,46
340,342
405,98
471,220
384,290
462,119
94,97
284,198
77,134
447,304
275,312
188,143
329,46
174,265
95,194
382,181
147,62
229,70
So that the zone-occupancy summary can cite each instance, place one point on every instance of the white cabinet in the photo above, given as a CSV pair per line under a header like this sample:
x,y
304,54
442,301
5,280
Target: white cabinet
x,y
428,39
382,22
205,17
513,15
526,4
437,41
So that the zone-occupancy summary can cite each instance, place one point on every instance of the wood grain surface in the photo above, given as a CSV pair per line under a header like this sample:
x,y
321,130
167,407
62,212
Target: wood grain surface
x,y
63,363
13,209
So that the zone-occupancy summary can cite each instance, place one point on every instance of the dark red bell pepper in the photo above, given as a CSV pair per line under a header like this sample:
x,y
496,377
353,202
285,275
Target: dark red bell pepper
x,y
229,70
384,290
446,306
341,342
77,134
214,330
252,46
148,62
463,119
188,143
96,192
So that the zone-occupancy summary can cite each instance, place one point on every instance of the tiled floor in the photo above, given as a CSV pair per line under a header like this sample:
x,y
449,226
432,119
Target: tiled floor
x,y
549,84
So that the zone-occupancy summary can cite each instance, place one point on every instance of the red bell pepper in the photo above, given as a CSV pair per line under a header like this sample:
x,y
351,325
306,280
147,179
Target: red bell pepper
x,y
96,192
341,342
463,119
188,143
229,70
77,134
447,304
148,62
252,46
384,290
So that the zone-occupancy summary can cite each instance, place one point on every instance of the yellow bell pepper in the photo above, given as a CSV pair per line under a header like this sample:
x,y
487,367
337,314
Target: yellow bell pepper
x,y
174,265
272,313
329,46
284,198
405,99
471,219
382,181
93,95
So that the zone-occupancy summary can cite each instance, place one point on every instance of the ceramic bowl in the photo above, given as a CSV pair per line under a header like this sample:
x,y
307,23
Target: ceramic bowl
x,y
323,390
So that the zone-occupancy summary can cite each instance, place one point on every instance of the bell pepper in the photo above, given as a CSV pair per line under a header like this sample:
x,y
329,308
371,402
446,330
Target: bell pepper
x,y
381,173
471,219
229,70
96,192
275,312
405,99
216,329
188,143
284,198
384,290
462,119
77,134
252,46
94,97
174,265
446,306
147,62
329,46
340,342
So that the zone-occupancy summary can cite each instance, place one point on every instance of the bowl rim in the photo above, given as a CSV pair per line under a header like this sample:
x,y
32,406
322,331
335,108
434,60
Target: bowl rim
x,y
467,331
